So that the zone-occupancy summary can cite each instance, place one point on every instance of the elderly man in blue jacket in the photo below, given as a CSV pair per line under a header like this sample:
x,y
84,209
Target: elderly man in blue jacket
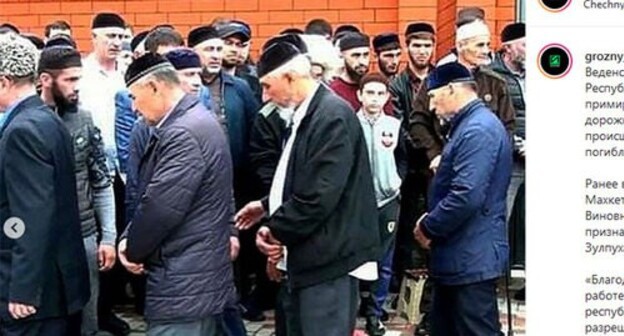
x,y
465,225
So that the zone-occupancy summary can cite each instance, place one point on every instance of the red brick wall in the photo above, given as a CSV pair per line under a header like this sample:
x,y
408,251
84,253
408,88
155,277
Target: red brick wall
x,y
266,17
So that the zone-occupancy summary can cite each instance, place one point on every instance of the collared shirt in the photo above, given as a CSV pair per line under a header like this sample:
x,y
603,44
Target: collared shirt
x,y
98,88
162,121
5,116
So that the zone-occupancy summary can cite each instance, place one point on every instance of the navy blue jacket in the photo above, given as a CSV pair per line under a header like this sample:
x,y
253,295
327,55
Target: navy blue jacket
x,y
47,266
240,108
467,209
181,227
125,118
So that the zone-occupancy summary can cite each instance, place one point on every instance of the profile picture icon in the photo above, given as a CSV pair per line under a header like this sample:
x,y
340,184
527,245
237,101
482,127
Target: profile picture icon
x,y
555,5
554,61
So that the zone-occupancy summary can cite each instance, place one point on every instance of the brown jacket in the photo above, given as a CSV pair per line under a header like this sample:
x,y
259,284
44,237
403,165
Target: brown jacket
x,y
425,130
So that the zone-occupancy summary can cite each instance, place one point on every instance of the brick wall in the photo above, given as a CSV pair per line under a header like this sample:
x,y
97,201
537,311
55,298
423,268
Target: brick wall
x,y
266,17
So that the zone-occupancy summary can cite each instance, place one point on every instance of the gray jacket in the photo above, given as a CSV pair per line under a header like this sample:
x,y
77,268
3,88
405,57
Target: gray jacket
x,y
93,183
385,144
181,227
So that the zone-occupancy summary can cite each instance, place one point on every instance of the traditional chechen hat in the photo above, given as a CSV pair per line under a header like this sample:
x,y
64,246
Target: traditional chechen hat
x,y
293,39
350,41
347,28
386,41
292,31
469,14
36,40
58,58
108,20
60,40
513,32
138,39
183,59
201,34
275,56
144,66
418,27
447,74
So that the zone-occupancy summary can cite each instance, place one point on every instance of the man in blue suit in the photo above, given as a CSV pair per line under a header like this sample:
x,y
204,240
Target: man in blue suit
x,y
44,279
465,224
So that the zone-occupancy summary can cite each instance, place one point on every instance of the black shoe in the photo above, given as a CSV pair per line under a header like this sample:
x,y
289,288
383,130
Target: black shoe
x,y
252,315
384,316
423,328
114,325
374,327
520,295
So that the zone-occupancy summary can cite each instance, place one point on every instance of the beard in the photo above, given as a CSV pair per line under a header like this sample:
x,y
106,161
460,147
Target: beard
x,y
63,103
229,64
387,70
418,65
354,74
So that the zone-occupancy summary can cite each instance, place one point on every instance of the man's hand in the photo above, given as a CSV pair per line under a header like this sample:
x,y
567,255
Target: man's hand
x,y
420,238
273,273
234,248
250,215
268,245
131,267
418,234
106,257
435,163
20,311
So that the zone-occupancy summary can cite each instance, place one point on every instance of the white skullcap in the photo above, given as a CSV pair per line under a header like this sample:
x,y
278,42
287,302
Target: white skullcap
x,y
473,29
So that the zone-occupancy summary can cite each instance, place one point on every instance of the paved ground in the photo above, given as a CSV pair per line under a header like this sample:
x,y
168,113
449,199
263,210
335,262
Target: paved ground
x,y
396,326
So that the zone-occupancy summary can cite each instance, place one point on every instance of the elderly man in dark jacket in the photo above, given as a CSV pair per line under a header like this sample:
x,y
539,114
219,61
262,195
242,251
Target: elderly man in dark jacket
x,y
321,203
181,227
44,278
465,224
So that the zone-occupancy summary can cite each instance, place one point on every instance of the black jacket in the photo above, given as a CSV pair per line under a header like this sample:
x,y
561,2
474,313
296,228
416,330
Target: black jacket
x,y
265,148
425,130
47,266
181,227
328,220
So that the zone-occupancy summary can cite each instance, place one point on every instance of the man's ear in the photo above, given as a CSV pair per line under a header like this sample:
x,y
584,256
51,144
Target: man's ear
x,y
45,79
359,95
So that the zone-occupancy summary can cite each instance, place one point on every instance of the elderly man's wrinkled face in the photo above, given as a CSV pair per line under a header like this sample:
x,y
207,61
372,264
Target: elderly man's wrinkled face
x,y
107,42
278,90
147,98
476,51
441,101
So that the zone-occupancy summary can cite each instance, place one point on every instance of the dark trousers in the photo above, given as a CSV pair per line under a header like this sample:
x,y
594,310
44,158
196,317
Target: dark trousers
x,y
465,310
206,327
62,326
113,282
373,304
232,322
325,309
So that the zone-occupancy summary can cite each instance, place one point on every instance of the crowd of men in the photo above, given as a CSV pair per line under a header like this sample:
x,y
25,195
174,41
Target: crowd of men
x,y
213,187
